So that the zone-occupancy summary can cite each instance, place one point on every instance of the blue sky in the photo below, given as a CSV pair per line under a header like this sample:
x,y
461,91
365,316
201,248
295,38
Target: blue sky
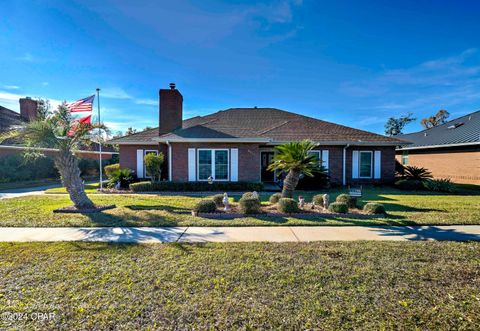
x,y
350,62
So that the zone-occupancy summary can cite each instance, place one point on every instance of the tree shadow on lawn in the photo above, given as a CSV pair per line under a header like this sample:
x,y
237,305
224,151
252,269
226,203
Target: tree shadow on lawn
x,y
103,219
131,234
405,208
427,233
168,208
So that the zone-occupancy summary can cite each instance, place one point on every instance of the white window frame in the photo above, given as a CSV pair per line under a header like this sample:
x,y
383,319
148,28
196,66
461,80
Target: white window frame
x,y
360,163
212,151
144,166
319,152
405,158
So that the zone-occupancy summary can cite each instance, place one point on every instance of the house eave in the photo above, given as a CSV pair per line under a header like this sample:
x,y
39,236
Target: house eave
x,y
438,146
212,140
151,143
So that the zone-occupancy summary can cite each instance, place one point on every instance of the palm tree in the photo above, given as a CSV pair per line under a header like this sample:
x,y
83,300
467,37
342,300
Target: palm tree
x,y
416,173
60,131
294,159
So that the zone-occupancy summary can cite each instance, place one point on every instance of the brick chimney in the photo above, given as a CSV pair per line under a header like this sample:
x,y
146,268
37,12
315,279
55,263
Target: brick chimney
x,y
171,110
28,108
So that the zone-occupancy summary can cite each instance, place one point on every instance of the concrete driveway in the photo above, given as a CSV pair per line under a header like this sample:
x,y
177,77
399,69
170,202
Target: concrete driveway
x,y
18,192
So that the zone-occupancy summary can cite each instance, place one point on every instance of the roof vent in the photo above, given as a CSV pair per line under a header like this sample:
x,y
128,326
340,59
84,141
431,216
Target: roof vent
x,y
255,107
454,126
172,86
425,134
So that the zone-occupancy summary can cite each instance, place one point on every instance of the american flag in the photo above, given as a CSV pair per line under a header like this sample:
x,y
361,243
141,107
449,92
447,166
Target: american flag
x,y
81,105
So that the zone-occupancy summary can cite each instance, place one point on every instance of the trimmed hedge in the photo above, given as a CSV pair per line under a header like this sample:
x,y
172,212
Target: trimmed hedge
x,y
410,185
249,195
338,207
275,197
287,205
249,206
218,199
374,208
205,206
318,200
195,186
440,185
345,198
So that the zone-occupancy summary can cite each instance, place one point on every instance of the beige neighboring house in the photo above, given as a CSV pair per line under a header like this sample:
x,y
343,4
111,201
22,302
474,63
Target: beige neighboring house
x,y
450,150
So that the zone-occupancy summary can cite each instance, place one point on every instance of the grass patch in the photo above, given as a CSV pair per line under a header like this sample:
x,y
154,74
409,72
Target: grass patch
x,y
175,210
332,286
89,189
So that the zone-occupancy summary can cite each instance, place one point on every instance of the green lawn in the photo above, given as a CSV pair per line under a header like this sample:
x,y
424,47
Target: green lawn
x,y
174,210
331,286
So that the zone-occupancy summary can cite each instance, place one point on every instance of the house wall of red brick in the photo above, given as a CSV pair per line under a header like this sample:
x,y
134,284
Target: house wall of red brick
x,y
248,160
460,164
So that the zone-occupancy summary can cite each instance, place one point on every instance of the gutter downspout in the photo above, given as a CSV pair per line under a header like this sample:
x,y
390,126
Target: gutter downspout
x,y
345,164
169,161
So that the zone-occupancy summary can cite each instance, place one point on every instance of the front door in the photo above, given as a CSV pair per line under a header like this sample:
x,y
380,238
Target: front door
x,y
266,159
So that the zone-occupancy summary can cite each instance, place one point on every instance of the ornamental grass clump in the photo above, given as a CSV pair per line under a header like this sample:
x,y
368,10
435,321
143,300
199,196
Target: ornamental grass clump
x,y
218,199
249,205
275,197
347,199
374,208
205,206
287,205
338,207
318,200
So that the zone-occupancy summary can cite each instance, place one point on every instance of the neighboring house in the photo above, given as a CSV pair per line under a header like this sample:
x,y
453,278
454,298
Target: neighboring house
x,y
237,145
450,150
28,111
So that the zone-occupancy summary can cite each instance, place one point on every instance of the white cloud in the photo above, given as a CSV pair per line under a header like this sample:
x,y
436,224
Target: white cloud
x,y
27,57
11,87
114,93
150,102
437,83
44,83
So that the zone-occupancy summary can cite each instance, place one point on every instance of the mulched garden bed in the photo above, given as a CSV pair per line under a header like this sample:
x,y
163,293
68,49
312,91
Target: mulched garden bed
x,y
74,210
271,211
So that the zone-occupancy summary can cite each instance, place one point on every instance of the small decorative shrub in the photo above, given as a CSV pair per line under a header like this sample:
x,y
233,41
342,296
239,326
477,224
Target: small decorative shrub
x,y
338,207
374,208
345,198
249,205
409,185
250,195
318,200
205,206
287,205
218,199
111,168
439,185
122,176
275,197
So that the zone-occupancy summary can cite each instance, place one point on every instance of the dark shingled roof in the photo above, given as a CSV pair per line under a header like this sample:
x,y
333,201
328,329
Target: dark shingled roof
x,y
462,130
264,123
8,118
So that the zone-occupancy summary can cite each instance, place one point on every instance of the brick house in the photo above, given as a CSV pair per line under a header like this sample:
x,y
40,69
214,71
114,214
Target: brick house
x,y
450,150
237,145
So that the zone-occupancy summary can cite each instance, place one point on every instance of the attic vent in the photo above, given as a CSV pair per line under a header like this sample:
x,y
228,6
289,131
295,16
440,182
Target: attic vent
x,y
454,126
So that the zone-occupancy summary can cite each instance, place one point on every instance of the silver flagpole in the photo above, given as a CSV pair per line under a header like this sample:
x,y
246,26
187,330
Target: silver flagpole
x,y
100,140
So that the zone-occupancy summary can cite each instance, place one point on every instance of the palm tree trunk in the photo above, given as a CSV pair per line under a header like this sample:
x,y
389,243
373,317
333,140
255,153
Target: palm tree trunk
x,y
67,165
290,183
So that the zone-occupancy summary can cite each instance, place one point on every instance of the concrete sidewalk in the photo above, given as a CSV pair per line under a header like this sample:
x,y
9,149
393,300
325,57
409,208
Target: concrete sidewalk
x,y
242,234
